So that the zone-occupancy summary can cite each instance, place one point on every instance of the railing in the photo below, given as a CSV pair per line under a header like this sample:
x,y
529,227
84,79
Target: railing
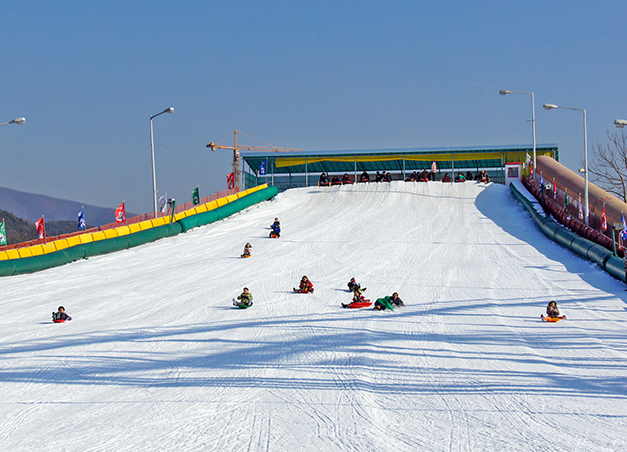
x,y
132,220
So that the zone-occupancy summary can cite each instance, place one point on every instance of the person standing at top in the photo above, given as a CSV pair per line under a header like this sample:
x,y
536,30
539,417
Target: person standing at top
x,y
434,169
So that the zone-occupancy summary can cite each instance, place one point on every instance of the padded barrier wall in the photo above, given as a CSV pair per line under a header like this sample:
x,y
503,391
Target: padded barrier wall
x,y
54,259
596,253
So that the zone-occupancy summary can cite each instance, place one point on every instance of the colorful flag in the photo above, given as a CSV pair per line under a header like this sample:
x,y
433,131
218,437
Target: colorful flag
x,y
81,220
623,233
262,168
41,229
3,234
195,196
579,208
566,201
162,204
604,220
554,190
120,214
230,180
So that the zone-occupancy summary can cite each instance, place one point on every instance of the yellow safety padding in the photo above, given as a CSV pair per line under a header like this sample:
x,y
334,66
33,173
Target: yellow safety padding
x,y
60,244
37,250
3,256
123,230
86,238
143,225
221,202
24,252
211,205
180,215
13,254
201,208
231,198
110,233
159,221
135,227
73,241
99,235
49,247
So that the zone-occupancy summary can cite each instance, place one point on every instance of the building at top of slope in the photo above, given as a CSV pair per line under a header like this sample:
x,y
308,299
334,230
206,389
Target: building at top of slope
x,y
299,169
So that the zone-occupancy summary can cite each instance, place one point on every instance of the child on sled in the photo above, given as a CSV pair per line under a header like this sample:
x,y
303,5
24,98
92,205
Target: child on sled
x,y
246,299
305,286
247,250
61,315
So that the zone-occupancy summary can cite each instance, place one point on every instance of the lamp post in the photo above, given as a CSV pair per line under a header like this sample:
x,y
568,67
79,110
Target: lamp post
x,y
585,146
152,151
18,121
503,92
620,123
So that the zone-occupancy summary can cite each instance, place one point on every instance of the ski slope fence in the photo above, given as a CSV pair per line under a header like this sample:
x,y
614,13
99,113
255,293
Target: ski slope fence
x,y
60,252
596,253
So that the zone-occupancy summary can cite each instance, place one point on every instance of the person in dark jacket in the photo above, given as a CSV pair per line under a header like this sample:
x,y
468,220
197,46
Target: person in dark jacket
x,y
425,176
446,178
61,315
346,179
552,311
395,300
364,177
378,177
353,286
483,177
335,181
324,180
276,228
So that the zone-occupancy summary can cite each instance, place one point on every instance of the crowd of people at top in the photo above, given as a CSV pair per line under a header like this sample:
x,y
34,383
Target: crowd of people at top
x,y
416,176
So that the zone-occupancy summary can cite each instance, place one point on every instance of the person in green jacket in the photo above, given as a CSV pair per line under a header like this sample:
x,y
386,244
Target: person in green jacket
x,y
246,299
383,303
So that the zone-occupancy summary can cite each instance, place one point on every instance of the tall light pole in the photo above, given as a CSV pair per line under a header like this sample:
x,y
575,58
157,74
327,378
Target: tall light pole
x,y
152,150
620,123
585,146
18,121
503,92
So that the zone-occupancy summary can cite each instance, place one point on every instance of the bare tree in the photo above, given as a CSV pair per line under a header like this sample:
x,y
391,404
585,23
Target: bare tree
x,y
609,169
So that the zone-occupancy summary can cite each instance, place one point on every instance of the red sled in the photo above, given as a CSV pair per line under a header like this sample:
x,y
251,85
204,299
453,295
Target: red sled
x,y
59,321
357,304
274,236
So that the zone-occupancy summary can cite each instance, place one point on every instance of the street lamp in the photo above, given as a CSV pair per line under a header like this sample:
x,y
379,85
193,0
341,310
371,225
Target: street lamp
x,y
152,150
620,123
585,145
18,121
503,92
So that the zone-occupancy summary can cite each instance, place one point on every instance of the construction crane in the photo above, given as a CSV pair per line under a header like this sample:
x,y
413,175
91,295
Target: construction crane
x,y
237,147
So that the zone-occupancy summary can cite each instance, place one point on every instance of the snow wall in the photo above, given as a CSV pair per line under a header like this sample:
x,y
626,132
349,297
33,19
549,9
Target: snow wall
x,y
184,222
596,253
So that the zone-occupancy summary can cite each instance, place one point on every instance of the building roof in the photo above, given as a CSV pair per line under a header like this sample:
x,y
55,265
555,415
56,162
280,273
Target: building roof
x,y
409,159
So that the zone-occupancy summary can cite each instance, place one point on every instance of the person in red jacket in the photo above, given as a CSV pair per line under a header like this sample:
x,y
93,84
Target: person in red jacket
x,y
305,286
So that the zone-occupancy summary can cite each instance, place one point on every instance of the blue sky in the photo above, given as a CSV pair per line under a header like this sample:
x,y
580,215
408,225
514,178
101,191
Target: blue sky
x,y
313,75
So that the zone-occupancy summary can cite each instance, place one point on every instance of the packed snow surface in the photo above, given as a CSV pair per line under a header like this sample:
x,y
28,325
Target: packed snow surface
x,y
157,358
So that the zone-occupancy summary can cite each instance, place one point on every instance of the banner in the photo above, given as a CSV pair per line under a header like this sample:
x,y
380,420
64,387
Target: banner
x,y
3,234
230,181
579,207
81,220
554,190
41,229
120,214
195,196
262,168
162,204
604,220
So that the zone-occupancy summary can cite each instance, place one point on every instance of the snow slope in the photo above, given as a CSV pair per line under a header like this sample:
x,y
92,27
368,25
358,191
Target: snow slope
x,y
156,358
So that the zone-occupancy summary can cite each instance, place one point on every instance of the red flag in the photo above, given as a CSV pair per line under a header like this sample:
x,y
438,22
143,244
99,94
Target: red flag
x,y
41,229
120,214
230,180
604,220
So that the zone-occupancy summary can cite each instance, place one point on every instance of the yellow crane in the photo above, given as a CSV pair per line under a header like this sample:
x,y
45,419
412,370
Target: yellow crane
x,y
237,147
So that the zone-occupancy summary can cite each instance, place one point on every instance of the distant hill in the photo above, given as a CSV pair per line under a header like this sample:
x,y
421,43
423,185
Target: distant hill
x,y
30,207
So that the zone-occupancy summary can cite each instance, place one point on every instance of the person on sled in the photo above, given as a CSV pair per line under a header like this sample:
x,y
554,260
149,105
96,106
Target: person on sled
x,y
248,248
396,301
245,299
324,180
61,315
276,228
305,286
553,312
383,303
353,286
